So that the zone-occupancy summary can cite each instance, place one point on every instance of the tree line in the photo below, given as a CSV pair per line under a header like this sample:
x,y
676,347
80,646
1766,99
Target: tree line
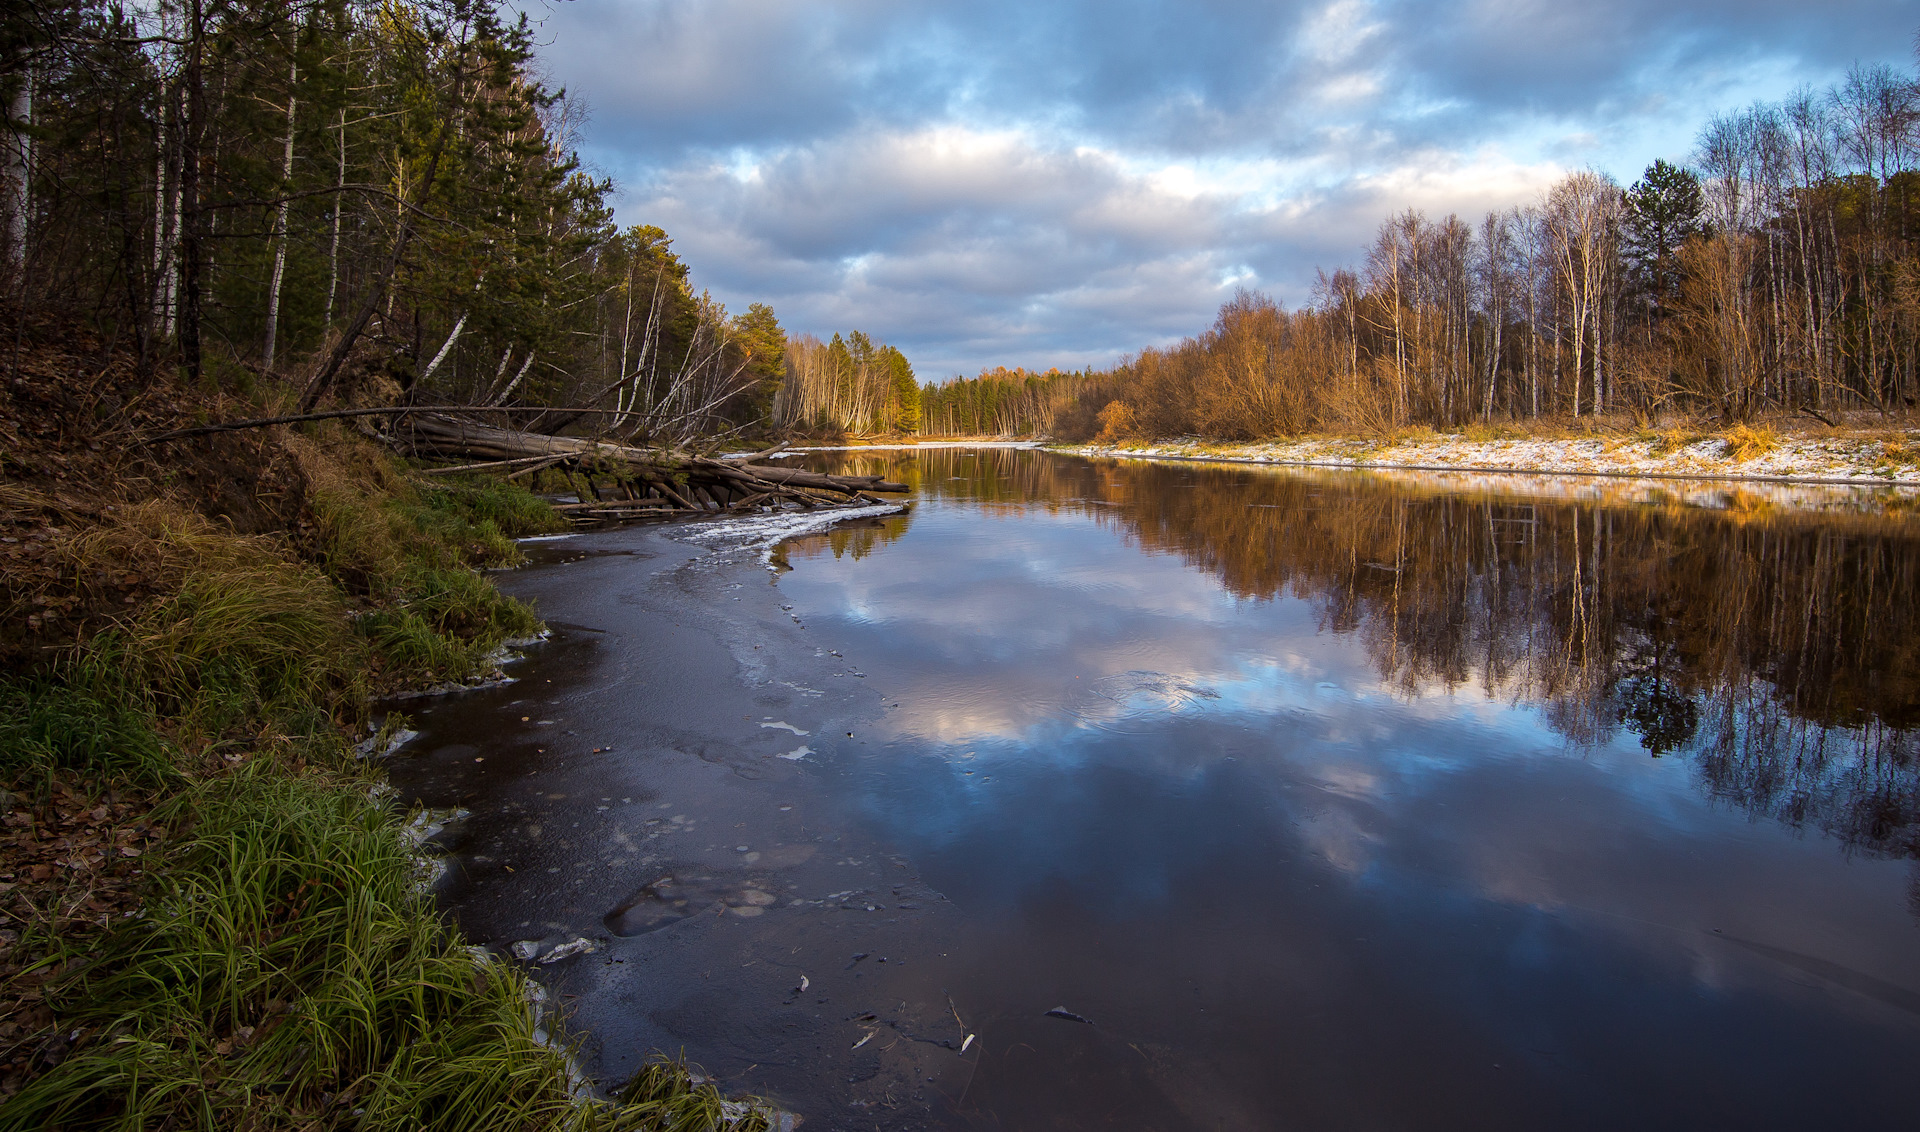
x,y
999,402
1778,273
849,384
349,194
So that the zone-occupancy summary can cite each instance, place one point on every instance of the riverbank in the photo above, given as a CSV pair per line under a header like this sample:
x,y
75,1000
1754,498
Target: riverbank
x,y
211,912
1836,456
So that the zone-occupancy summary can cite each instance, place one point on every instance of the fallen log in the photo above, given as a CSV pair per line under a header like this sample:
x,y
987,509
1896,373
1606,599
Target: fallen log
x,y
618,505
694,483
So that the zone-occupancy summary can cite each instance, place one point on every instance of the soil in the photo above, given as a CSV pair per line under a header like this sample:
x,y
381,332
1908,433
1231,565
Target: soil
x,y
73,412
71,863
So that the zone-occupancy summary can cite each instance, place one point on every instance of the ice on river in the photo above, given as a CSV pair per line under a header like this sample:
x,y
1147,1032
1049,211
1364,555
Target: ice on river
x,y
764,532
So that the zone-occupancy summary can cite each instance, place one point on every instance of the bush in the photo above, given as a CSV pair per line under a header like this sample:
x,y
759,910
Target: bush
x,y
1118,424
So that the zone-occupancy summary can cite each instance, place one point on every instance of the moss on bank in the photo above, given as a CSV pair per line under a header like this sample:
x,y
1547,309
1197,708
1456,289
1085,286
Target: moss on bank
x,y
212,917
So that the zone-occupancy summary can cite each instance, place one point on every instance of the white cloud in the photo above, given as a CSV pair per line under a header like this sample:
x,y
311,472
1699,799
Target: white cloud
x,y
1064,182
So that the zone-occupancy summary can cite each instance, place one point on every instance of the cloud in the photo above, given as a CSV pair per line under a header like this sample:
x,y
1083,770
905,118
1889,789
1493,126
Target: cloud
x,y
1064,182
952,235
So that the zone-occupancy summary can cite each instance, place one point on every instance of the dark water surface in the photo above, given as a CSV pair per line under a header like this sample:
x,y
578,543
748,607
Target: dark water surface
x,y
1331,803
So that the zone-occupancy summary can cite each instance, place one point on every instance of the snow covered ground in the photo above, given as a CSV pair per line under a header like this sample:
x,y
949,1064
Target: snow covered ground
x,y
1818,459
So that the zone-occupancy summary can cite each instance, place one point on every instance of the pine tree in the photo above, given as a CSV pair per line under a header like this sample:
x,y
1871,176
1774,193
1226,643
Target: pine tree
x,y
1663,210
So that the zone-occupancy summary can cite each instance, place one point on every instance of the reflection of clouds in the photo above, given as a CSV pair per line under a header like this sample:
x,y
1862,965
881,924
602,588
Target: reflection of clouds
x,y
1349,782
1427,860
1021,761
1010,631
1041,619
1339,838
1618,846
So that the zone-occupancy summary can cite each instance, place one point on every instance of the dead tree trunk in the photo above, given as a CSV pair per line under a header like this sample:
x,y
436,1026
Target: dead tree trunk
x,y
671,481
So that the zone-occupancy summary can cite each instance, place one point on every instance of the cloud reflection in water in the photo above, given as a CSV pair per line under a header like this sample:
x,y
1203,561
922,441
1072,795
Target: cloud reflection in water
x,y
1131,742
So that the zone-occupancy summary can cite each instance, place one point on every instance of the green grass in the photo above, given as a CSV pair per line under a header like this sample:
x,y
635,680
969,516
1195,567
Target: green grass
x,y
511,510
48,726
288,969
235,645
290,972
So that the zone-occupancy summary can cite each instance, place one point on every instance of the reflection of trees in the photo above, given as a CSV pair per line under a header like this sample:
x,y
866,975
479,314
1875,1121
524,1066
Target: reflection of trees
x,y
1782,652
1861,783
1654,705
855,539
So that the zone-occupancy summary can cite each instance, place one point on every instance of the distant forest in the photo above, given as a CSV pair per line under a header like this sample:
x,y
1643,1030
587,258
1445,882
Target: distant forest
x,y
1779,273
352,198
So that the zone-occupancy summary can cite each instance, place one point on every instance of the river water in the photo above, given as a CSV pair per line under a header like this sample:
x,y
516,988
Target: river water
x,y
1312,800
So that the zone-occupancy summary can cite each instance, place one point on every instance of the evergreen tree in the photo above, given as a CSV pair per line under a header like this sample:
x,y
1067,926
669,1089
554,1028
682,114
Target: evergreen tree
x,y
906,392
759,337
1663,210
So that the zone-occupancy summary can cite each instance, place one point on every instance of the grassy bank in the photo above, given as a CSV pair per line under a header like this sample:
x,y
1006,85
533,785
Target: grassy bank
x,y
212,919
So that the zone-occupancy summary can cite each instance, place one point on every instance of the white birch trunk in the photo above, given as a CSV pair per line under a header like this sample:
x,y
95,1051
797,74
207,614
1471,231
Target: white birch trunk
x,y
20,171
339,198
280,227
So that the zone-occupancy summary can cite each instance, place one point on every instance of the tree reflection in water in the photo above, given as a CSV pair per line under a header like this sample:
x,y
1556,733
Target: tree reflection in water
x,y
1776,649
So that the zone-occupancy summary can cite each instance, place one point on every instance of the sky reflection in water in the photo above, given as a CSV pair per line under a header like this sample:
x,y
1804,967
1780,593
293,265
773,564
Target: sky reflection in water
x,y
1188,739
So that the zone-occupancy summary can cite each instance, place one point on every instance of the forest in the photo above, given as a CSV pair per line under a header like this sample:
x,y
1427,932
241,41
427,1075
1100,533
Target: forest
x,y
343,197
1775,274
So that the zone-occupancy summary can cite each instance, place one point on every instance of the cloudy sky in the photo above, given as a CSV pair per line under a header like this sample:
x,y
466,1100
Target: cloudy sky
x,y
1060,182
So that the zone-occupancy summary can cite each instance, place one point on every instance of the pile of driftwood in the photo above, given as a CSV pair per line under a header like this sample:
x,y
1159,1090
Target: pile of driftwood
x,y
620,482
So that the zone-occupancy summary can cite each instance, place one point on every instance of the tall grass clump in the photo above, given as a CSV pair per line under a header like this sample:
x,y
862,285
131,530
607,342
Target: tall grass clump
x,y
1745,442
412,551
290,973
240,635
51,725
233,644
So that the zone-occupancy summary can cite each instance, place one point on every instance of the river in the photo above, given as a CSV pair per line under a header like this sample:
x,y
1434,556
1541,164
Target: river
x,y
1302,799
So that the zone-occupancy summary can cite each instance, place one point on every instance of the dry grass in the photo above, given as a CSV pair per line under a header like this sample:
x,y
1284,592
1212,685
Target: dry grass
x,y
1746,442
1903,452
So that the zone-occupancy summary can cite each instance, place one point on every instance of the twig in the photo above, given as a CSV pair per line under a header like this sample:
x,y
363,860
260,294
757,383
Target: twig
x,y
537,467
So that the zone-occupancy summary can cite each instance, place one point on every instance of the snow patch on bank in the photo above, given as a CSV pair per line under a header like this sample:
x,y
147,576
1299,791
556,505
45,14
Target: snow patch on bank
x,y
1851,461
